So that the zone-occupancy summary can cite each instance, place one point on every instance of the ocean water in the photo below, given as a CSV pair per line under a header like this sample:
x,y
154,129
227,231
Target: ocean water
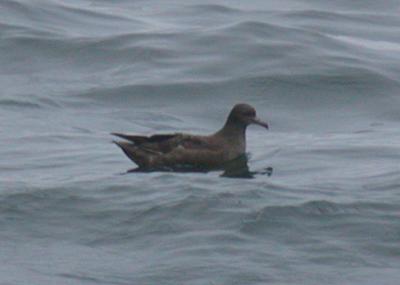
x,y
324,74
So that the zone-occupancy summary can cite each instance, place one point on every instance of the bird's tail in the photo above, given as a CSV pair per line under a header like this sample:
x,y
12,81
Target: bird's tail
x,y
137,155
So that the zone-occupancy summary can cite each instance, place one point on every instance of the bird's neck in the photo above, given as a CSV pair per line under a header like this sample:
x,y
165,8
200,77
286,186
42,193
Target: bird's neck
x,y
233,134
234,131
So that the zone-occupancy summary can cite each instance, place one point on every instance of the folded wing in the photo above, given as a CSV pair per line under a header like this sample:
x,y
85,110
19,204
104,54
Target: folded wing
x,y
170,150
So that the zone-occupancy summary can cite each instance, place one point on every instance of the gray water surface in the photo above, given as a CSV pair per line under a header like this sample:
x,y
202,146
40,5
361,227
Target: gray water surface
x,y
324,75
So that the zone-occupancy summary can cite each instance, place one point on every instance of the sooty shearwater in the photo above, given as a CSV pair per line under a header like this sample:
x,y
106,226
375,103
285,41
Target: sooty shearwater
x,y
177,151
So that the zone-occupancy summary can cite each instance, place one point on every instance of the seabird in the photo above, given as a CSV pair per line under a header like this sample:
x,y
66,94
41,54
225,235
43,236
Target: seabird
x,y
185,151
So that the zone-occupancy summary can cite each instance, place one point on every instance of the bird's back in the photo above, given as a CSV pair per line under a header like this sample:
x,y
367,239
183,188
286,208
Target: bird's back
x,y
173,150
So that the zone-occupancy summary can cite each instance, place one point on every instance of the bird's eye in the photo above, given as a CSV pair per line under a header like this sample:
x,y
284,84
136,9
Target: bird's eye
x,y
249,113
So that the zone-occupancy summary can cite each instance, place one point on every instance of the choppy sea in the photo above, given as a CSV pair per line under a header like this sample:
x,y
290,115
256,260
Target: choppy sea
x,y
324,74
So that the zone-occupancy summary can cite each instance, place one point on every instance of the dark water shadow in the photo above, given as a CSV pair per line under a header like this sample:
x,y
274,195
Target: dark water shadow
x,y
237,168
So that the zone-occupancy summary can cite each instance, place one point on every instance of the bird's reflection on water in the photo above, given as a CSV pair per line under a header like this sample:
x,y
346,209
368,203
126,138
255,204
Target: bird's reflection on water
x,y
237,168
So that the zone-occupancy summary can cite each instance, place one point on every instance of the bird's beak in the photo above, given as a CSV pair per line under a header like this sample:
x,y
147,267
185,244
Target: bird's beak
x,y
257,121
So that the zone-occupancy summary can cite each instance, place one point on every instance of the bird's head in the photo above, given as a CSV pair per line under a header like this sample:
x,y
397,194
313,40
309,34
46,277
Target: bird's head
x,y
244,115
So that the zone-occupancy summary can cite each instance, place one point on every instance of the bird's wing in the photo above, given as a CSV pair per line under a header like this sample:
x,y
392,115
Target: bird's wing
x,y
198,157
138,140
165,143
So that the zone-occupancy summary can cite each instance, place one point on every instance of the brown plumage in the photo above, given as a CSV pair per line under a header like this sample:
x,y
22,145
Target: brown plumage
x,y
175,151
